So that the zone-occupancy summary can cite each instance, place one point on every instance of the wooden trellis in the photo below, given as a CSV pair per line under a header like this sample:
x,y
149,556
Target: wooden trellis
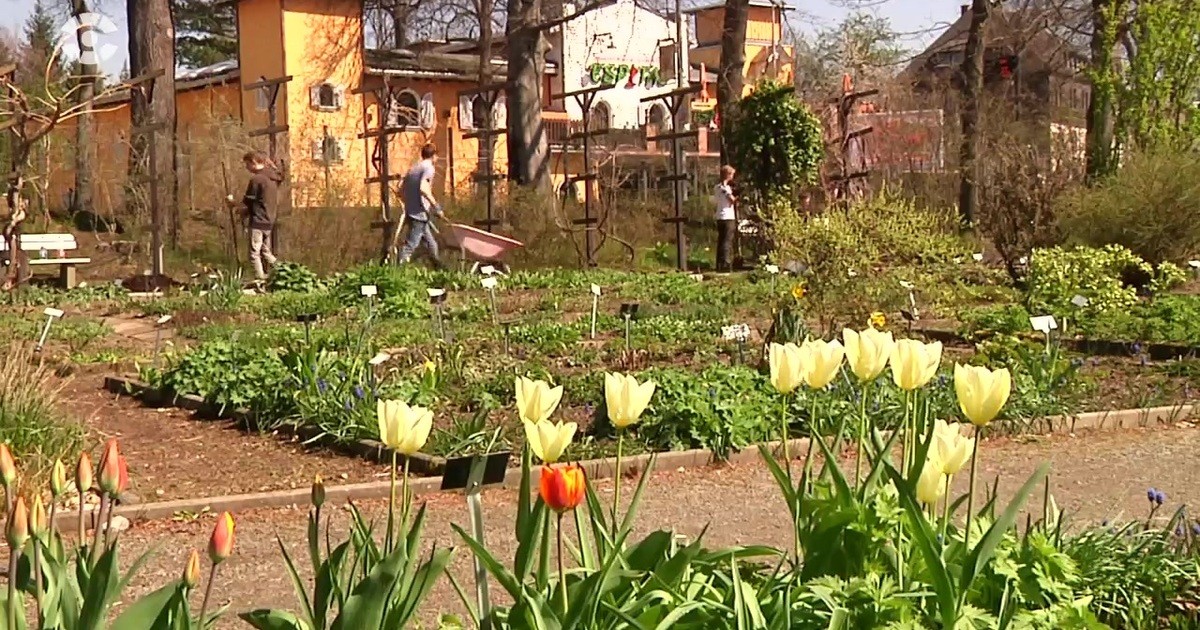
x,y
851,180
675,101
273,130
484,171
585,98
381,161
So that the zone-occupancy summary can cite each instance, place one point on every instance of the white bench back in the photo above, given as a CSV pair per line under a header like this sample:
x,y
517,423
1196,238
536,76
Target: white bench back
x,y
51,242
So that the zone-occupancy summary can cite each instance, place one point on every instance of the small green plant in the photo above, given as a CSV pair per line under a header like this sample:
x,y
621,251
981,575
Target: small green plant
x,y
293,277
1108,277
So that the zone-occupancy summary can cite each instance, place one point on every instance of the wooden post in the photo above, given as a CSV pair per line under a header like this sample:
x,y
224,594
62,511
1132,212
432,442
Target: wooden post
x,y
381,160
150,130
675,100
484,173
586,98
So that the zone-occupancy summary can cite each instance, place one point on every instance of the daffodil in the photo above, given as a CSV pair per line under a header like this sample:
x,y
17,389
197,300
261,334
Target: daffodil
x,y
867,352
981,392
625,398
824,360
950,447
787,367
536,400
402,428
798,291
877,320
548,440
914,363
931,485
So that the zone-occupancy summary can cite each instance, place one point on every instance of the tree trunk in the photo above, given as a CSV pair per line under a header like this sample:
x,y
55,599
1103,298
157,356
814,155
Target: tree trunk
x,y
1099,114
730,76
85,36
528,150
972,89
399,11
152,48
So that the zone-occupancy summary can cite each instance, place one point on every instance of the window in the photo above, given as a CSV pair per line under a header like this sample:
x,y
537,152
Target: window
x,y
262,98
657,116
329,150
405,109
479,113
327,97
600,117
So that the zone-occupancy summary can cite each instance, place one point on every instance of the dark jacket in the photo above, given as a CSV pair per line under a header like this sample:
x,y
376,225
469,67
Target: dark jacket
x,y
262,198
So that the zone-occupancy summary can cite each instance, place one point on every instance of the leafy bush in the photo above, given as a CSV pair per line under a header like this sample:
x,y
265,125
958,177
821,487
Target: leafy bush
x,y
229,375
293,277
1148,206
776,143
1106,276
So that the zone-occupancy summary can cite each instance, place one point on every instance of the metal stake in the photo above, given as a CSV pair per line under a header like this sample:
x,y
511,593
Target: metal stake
x,y
474,491
50,313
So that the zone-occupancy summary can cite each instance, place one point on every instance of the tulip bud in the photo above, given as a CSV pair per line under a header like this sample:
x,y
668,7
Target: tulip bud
x,y
122,476
58,479
84,474
110,469
37,518
8,468
220,545
191,571
18,525
318,492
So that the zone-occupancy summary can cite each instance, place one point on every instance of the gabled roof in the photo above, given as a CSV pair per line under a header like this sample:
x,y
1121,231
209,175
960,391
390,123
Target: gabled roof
x,y
1014,30
762,4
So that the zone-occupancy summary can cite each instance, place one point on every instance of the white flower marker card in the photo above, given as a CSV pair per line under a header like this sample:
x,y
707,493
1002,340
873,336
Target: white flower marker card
x,y
368,290
1043,323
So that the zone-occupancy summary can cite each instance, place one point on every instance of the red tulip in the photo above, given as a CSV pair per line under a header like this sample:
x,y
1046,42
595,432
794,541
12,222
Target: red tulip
x,y
84,474
562,487
18,525
191,571
220,545
8,468
110,469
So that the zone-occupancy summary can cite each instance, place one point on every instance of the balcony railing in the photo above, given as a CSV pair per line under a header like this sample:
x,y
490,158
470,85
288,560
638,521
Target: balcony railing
x,y
632,140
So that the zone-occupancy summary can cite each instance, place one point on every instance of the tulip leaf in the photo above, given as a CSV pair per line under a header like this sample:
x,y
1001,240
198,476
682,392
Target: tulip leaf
x,y
150,610
414,588
273,620
102,589
529,540
506,579
986,548
326,584
782,479
297,583
926,540
635,500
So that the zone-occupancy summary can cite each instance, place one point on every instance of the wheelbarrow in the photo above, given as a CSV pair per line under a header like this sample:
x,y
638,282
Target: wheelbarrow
x,y
479,246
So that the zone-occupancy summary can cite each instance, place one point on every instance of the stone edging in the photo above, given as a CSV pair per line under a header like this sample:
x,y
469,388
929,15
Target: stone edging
x,y
596,468
1102,347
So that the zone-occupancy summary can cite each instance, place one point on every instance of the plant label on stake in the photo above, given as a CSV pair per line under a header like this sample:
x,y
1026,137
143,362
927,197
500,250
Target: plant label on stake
x,y
437,297
628,310
162,321
977,257
369,291
1195,265
376,361
739,333
1044,324
490,283
1079,301
595,307
307,319
773,271
487,270
51,314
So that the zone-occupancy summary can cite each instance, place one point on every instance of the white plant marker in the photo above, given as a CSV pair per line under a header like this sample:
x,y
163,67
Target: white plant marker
x,y
487,270
772,270
51,314
977,257
912,300
1044,324
595,307
436,298
489,283
369,291
379,359
162,321
1195,265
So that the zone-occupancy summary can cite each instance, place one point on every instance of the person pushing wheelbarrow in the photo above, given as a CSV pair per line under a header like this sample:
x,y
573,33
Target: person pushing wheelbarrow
x,y
416,191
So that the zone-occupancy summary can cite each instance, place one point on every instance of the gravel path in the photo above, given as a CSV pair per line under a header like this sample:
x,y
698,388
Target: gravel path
x,y
1095,476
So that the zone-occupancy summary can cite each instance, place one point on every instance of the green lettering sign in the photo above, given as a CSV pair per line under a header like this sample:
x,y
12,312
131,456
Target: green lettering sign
x,y
616,73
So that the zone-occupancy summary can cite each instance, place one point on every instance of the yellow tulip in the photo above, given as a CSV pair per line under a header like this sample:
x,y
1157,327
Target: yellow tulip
x,y
931,485
981,392
402,428
625,398
548,440
824,359
536,400
787,367
914,363
867,352
950,447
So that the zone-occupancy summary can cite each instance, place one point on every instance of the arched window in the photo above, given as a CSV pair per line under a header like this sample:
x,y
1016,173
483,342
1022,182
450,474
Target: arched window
x,y
657,116
405,109
600,117
479,113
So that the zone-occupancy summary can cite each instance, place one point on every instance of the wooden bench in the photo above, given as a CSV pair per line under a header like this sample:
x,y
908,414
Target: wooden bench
x,y
56,247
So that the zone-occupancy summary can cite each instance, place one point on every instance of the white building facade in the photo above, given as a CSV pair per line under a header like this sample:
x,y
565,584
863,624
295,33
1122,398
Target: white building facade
x,y
627,46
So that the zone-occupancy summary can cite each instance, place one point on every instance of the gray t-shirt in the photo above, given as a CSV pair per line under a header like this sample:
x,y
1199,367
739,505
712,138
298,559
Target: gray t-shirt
x,y
415,205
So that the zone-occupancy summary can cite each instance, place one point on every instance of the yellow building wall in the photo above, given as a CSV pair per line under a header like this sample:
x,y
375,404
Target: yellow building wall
x,y
260,55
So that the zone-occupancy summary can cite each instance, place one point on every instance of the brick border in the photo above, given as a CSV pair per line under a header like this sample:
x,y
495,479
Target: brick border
x,y
603,468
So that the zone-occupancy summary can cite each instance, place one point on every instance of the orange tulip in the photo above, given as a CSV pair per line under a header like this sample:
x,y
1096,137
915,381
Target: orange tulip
x,y
122,475
191,571
110,469
84,473
562,487
220,545
18,525
8,468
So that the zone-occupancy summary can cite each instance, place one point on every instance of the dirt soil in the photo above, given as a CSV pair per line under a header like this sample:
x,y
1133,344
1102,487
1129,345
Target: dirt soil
x,y
1095,476
172,455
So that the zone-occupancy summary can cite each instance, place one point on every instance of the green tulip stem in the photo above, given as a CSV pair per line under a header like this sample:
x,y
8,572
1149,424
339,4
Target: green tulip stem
x,y
212,577
862,431
971,490
946,510
37,577
562,579
13,558
79,521
617,476
783,435
387,541
909,443
100,518
405,498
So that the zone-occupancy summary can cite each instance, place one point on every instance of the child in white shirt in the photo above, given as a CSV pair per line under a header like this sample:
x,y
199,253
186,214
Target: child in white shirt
x,y
726,219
